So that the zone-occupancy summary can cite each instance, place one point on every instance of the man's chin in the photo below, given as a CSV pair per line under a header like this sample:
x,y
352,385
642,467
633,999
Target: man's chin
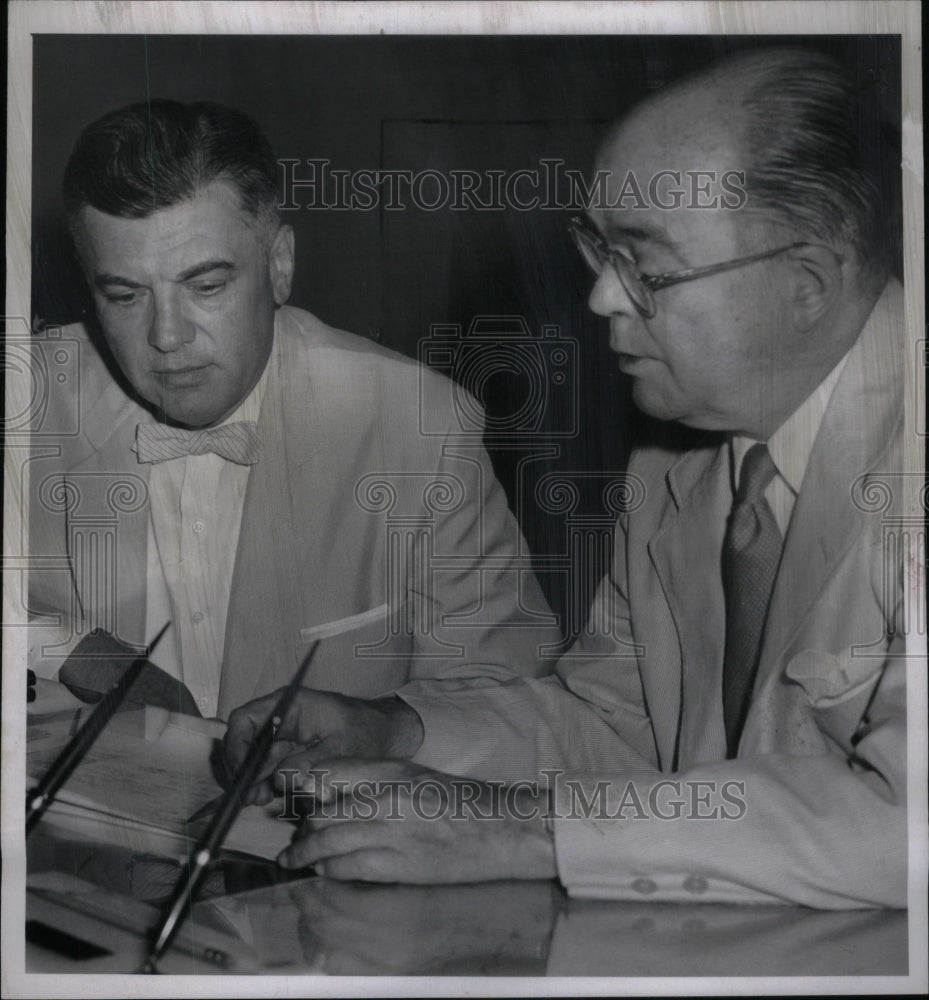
x,y
652,403
190,415
659,407
661,410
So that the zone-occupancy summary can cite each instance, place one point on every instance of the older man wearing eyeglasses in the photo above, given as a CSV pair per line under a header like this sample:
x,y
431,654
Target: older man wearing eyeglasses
x,y
745,666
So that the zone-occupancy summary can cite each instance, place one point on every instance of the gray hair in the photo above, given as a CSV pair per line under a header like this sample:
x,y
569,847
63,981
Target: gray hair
x,y
805,136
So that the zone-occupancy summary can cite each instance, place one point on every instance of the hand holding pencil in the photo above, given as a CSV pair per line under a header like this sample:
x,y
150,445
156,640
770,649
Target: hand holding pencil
x,y
318,726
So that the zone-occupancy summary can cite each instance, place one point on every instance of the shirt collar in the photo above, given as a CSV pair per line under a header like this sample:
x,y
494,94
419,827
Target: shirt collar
x,y
791,444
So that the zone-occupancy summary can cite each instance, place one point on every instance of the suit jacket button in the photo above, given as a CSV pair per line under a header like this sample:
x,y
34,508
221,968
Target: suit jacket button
x,y
645,886
696,884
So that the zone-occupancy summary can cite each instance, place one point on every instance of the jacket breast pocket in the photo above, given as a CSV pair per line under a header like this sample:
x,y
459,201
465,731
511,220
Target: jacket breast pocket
x,y
828,679
365,655
839,689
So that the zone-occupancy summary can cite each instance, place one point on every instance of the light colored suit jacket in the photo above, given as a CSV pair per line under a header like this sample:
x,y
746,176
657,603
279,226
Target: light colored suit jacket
x,y
369,523
818,805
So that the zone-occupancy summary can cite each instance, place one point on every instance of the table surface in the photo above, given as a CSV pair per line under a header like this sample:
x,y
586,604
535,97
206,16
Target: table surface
x,y
316,925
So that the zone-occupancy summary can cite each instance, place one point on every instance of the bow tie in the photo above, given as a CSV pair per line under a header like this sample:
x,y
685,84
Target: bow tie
x,y
236,442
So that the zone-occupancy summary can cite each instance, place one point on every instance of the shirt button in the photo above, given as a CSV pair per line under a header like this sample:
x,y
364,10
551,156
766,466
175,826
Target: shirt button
x,y
696,884
197,617
645,886
201,702
198,526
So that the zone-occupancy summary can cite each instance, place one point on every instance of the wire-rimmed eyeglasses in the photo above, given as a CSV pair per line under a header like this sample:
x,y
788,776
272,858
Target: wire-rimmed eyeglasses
x,y
641,287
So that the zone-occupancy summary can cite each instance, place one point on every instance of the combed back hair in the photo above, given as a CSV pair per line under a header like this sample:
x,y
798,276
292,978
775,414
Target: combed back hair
x,y
805,139
156,154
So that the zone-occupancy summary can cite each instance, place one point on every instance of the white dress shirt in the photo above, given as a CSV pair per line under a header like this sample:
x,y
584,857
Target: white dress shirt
x,y
790,447
195,505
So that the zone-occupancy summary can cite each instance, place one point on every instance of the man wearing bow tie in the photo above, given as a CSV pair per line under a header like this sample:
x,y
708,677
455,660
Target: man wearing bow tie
x,y
238,462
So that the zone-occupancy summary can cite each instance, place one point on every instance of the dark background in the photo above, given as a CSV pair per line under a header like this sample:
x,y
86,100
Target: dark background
x,y
444,103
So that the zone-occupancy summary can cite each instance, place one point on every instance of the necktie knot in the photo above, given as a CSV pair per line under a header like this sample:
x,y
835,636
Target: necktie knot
x,y
235,442
758,469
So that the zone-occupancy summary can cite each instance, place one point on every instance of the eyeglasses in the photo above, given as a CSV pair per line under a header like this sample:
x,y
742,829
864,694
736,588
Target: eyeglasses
x,y
641,287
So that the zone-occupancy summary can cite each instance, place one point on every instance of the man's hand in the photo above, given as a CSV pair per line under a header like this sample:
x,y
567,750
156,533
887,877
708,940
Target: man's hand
x,y
321,725
393,821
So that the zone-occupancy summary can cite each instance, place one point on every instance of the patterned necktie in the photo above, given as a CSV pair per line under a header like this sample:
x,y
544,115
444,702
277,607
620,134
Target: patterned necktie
x,y
751,553
236,442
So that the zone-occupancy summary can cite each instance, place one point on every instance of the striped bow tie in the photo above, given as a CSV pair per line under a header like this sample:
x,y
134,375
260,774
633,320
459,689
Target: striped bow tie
x,y
236,442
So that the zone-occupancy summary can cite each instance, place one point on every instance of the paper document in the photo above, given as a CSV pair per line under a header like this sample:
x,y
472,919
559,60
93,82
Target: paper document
x,y
143,777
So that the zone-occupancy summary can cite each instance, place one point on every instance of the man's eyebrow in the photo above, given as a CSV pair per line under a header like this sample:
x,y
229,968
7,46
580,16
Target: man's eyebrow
x,y
205,268
641,233
102,280
105,279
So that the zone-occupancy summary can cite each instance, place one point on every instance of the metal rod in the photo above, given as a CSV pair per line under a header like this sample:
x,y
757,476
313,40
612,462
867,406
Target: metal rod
x,y
211,841
42,796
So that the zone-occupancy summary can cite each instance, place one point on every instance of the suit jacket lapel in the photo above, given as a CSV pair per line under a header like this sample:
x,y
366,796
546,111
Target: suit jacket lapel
x,y
266,595
865,409
685,552
107,530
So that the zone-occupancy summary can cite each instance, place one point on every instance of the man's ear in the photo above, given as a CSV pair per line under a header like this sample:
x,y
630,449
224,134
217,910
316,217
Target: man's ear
x,y
818,281
282,264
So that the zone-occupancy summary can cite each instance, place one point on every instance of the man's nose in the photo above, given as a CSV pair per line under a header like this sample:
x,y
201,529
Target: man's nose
x,y
609,297
170,329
